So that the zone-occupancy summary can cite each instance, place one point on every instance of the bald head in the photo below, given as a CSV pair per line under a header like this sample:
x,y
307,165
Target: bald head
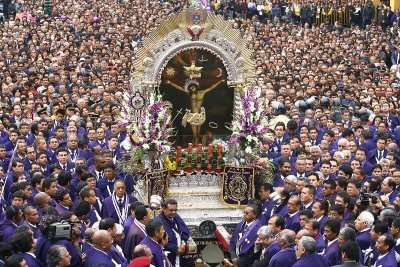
x,y
89,234
42,200
287,238
102,240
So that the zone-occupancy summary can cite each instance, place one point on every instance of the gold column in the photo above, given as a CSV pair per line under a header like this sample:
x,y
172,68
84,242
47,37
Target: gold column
x,y
394,4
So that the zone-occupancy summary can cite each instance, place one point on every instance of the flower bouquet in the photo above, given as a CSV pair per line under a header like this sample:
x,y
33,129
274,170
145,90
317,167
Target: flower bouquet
x,y
149,130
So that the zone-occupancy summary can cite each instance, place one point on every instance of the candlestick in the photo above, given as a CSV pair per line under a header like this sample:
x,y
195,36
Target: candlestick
x,y
219,159
210,158
189,159
199,157
178,160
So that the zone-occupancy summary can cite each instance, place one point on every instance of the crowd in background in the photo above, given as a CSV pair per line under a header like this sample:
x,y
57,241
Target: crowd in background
x,y
337,78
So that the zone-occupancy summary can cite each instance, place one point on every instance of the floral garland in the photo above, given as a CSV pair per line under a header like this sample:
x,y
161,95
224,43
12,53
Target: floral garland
x,y
249,126
149,132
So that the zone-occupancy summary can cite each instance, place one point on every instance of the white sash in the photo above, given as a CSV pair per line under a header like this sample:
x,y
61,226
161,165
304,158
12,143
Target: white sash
x,y
121,215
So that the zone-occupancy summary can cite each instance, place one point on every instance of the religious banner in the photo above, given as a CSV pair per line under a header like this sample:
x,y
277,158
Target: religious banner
x,y
237,185
157,184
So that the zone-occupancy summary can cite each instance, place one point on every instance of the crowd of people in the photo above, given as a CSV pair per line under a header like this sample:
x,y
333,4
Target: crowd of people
x,y
334,197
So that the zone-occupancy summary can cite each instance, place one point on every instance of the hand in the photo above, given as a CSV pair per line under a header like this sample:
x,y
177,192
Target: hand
x,y
181,250
235,261
168,82
227,263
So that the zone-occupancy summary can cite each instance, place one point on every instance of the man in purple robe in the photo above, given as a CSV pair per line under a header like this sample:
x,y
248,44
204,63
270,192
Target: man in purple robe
x,y
363,225
178,232
306,249
332,251
155,232
264,190
116,206
10,223
63,201
293,218
98,255
287,256
241,246
313,227
350,255
137,231
266,246
387,257
109,225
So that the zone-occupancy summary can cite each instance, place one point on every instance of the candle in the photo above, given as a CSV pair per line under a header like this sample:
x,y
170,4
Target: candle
x,y
219,159
189,159
199,157
210,158
178,160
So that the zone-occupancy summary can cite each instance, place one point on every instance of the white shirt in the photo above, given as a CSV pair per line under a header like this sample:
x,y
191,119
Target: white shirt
x,y
331,242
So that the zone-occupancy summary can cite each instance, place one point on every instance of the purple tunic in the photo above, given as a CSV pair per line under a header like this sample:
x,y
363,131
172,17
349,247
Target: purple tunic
x,y
134,236
311,260
158,254
332,253
179,226
364,241
284,258
98,257
293,222
389,260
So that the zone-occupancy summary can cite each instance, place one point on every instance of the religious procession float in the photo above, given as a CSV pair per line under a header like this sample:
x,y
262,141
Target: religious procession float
x,y
195,120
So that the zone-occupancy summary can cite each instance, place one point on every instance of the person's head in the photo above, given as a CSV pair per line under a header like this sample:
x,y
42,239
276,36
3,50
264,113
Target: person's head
x,y
31,214
320,208
290,183
63,198
14,213
336,212
143,213
286,238
16,260
331,229
307,194
109,170
251,211
378,228
102,240
306,245
387,215
264,190
120,188
277,223
350,251
88,195
22,241
142,251
314,179
364,220
305,216
170,208
266,236
285,167
58,256
49,187
384,244
5,250
395,228
293,204
109,225
155,229
329,188
388,185
346,234
343,199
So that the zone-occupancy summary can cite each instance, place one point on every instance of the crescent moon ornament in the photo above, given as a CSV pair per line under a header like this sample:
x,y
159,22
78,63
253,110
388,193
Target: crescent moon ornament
x,y
220,72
